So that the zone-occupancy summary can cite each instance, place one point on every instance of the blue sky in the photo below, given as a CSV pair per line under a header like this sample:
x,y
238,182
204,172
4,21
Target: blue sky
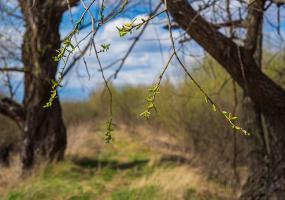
x,y
142,66
147,59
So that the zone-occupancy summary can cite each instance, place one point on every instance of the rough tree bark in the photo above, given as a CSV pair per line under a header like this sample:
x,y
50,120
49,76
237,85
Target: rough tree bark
x,y
258,143
44,133
267,180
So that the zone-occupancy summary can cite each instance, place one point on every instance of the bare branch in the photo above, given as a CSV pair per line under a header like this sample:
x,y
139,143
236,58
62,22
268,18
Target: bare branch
x,y
12,110
235,23
254,18
75,59
13,69
63,5
136,39
230,56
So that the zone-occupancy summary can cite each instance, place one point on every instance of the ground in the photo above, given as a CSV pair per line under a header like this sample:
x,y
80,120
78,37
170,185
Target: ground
x,y
133,167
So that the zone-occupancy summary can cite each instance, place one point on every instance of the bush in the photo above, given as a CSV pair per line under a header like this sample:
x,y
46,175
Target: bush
x,y
76,112
183,113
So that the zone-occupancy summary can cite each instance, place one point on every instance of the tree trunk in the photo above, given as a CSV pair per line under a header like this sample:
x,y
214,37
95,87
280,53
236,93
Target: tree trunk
x,y
258,147
5,151
267,164
44,130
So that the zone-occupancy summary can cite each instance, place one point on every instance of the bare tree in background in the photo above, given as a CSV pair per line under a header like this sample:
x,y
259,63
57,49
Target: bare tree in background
x,y
267,99
43,130
44,133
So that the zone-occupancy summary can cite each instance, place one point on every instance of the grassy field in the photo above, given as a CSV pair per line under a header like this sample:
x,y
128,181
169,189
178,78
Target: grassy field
x,y
136,166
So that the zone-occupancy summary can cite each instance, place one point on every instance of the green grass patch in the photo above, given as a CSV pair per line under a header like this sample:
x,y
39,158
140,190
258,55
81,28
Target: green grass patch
x,y
145,193
108,173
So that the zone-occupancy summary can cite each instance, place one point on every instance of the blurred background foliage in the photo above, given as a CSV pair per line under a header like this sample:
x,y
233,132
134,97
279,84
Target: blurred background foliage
x,y
202,137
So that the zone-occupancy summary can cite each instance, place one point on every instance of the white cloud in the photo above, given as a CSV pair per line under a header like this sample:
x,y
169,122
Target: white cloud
x,y
143,65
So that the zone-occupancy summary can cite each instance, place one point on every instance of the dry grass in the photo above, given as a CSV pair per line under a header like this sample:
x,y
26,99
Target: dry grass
x,y
10,176
82,141
157,179
175,181
163,142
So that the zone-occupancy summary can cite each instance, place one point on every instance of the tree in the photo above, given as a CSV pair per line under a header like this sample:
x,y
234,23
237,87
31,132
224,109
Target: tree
x,y
267,163
43,130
